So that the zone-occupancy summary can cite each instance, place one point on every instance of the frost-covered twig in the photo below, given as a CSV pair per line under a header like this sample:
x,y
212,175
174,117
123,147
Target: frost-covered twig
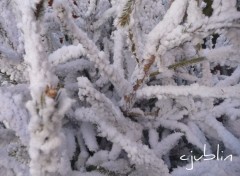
x,y
100,103
171,124
164,146
229,140
169,22
219,54
93,53
194,90
138,153
231,80
118,55
46,108
111,12
66,53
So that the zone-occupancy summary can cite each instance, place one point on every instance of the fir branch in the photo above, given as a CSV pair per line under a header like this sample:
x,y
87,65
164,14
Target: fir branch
x,y
124,19
186,62
130,98
153,39
181,64
133,45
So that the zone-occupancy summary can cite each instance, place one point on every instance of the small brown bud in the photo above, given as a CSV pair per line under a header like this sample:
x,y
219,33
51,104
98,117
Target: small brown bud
x,y
51,92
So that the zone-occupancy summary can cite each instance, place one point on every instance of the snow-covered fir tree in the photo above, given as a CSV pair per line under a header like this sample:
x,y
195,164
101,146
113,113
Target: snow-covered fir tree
x,y
119,87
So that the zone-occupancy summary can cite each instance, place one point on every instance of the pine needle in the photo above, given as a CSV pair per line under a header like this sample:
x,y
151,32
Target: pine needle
x,y
133,45
186,62
181,64
124,19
